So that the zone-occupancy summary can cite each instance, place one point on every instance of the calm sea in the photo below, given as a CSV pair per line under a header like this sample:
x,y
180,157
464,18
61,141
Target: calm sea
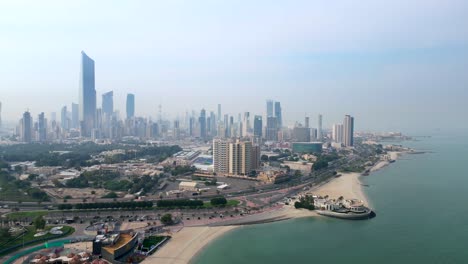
x,y
421,203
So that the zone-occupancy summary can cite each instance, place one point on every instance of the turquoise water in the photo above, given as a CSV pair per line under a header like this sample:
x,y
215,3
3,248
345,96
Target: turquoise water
x,y
421,203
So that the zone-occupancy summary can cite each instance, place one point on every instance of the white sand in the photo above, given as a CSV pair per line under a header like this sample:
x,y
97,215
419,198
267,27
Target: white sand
x,y
186,243
347,185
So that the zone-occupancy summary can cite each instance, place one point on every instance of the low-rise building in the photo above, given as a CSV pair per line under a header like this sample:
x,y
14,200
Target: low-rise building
x,y
189,186
273,176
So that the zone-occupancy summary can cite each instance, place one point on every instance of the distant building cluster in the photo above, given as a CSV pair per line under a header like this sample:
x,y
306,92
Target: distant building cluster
x,y
86,120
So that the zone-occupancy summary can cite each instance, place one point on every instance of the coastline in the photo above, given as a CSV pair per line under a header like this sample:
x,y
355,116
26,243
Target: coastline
x,y
190,241
186,244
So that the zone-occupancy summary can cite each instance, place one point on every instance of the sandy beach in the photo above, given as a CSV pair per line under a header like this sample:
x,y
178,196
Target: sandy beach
x,y
186,243
347,185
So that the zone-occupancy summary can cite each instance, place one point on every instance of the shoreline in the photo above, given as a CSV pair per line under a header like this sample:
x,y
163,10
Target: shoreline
x,y
189,242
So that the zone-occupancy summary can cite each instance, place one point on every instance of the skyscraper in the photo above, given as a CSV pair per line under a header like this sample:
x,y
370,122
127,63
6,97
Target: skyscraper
x,y
240,157
219,112
258,126
306,123
221,156
202,124
278,115
75,116
213,126
41,128
301,134
271,129
348,131
64,118
269,107
234,157
26,127
130,105
87,105
319,129
246,124
337,133
108,103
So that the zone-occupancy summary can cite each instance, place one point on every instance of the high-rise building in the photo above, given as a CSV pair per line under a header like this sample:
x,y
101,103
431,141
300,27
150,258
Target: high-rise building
x,y
255,157
313,134
221,156
319,129
26,127
306,124
234,157
202,124
87,105
41,128
176,130
278,115
240,157
269,107
64,118
246,124
301,134
108,103
271,130
337,133
213,126
258,126
130,106
75,118
219,112
348,131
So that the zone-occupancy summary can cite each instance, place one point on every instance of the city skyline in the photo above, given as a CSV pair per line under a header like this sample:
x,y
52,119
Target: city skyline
x,y
319,59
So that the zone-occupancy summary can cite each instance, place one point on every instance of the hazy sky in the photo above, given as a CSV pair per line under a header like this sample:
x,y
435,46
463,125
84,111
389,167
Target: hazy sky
x,y
394,65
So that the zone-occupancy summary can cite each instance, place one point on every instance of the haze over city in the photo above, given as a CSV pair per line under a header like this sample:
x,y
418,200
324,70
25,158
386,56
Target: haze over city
x,y
403,61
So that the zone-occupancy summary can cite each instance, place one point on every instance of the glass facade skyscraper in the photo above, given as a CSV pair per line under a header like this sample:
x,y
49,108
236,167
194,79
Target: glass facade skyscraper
x,y
108,103
87,105
130,105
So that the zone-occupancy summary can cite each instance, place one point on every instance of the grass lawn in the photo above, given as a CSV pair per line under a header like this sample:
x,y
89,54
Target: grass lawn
x,y
12,194
230,203
31,231
152,240
26,214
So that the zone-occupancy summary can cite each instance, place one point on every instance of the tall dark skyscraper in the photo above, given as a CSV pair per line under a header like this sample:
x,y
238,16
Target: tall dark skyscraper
x,y
26,127
348,131
41,127
278,114
87,105
75,123
130,105
202,123
258,126
108,103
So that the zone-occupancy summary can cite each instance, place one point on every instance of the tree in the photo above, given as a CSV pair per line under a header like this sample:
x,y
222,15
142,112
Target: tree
x,y
167,219
264,158
4,235
218,201
39,222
